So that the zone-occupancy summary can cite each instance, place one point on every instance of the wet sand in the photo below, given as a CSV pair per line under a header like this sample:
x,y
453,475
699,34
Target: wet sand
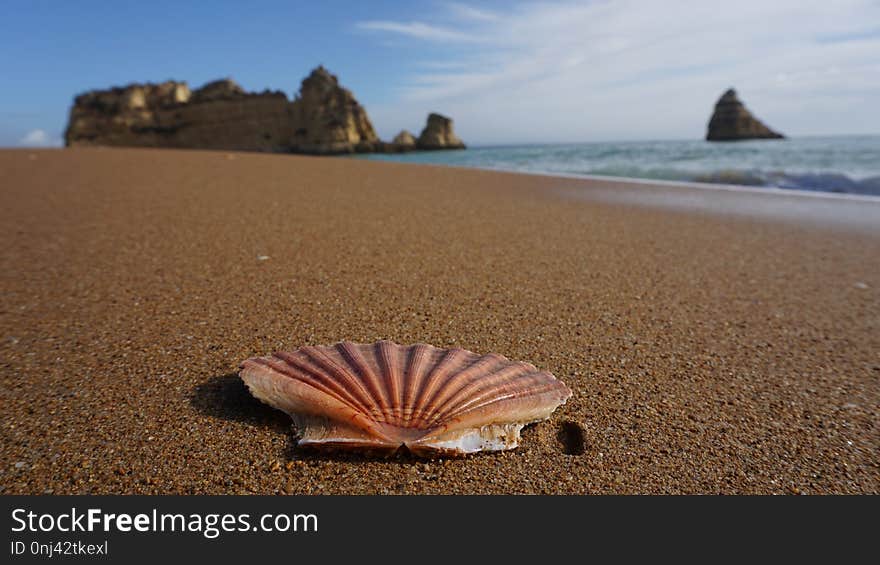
x,y
708,351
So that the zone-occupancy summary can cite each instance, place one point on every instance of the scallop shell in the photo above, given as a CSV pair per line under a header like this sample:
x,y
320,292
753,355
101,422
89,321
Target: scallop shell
x,y
385,396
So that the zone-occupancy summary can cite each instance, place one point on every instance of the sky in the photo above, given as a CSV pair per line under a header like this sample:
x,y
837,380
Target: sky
x,y
507,72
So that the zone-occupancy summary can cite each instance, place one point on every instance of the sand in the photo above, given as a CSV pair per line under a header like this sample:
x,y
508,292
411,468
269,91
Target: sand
x,y
708,351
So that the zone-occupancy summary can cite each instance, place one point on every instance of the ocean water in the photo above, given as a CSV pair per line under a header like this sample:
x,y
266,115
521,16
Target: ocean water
x,y
846,164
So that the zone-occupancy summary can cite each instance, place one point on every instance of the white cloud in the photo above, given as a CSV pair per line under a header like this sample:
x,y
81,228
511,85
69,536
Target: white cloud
x,y
38,138
467,12
418,30
638,69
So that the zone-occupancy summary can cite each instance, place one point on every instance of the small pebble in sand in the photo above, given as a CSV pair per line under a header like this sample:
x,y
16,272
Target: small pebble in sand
x,y
262,257
861,285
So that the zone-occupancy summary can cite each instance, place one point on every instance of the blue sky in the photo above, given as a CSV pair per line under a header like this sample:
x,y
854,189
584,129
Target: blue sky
x,y
507,72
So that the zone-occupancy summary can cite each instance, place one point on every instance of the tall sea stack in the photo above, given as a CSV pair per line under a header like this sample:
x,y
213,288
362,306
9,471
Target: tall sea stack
x,y
438,134
327,119
731,121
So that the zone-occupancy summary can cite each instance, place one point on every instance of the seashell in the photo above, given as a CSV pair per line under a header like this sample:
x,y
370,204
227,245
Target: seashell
x,y
385,396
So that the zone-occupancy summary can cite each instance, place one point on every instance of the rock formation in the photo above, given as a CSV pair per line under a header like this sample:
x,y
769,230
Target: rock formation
x,y
327,118
438,134
223,89
732,121
404,141
324,118
220,115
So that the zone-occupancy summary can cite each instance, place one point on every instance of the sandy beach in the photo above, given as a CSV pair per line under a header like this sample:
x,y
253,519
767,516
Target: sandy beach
x,y
709,349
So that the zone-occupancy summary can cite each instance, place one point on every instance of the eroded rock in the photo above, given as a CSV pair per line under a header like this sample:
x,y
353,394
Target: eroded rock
x,y
438,134
731,121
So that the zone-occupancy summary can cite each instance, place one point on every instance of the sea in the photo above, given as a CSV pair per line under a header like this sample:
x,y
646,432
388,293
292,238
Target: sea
x,y
841,164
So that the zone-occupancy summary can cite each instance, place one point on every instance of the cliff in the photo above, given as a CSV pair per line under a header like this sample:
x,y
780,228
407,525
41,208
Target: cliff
x,y
324,118
219,115
732,121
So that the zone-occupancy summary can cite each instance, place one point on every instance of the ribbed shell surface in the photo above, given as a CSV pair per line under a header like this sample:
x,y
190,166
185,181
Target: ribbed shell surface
x,y
407,387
